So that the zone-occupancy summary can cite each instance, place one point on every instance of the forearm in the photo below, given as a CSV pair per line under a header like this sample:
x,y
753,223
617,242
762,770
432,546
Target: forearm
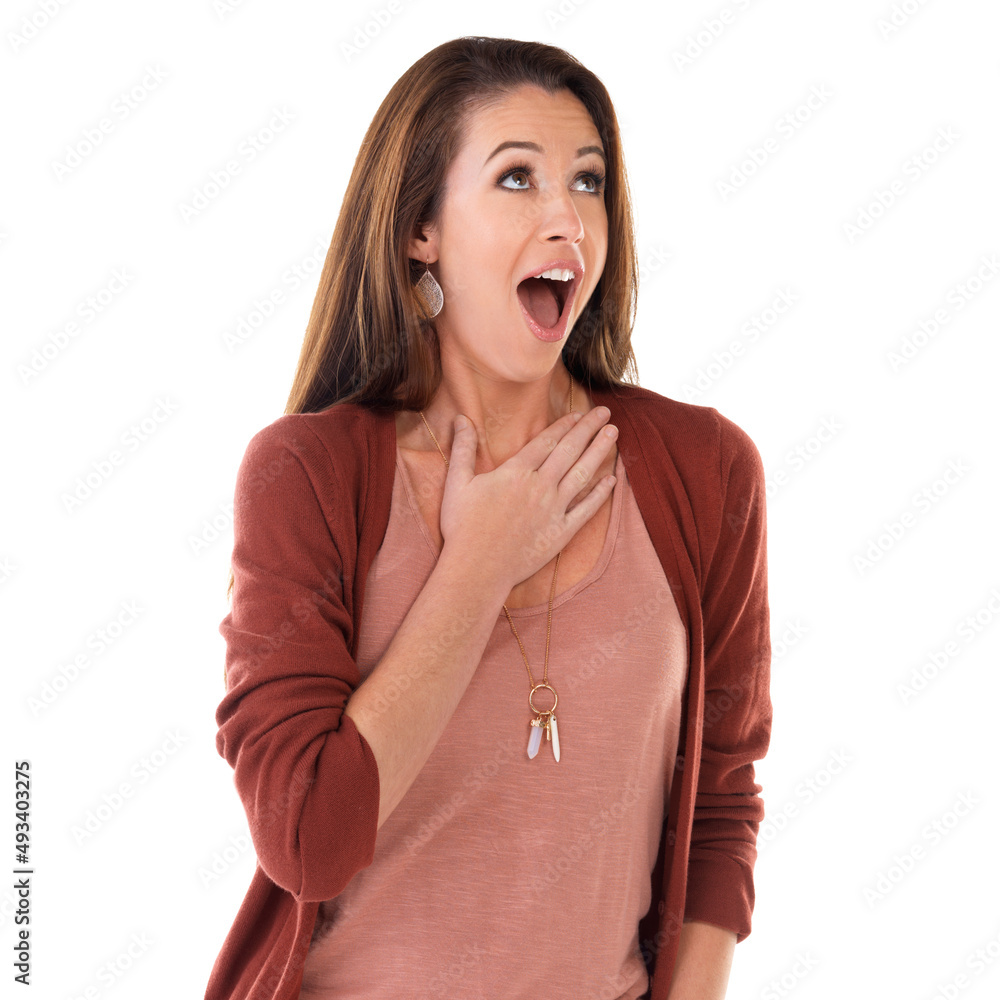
x,y
704,959
430,660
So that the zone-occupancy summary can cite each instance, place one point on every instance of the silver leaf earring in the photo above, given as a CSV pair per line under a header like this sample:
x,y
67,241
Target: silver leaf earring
x,y
430,291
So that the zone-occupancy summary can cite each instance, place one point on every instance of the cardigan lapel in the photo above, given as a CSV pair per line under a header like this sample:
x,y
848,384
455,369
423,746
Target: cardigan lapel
x,y
666,512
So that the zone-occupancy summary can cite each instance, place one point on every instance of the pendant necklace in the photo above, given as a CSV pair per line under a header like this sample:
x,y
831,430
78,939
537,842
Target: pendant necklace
x,y
542,719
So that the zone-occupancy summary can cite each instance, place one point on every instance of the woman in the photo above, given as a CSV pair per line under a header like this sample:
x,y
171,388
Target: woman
x,y
438,806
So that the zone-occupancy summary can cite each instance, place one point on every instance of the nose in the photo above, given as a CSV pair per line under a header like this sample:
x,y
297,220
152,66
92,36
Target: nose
x,y
559,218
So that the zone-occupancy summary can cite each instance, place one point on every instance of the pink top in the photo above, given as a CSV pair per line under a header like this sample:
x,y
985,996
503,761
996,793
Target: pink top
x,y
485,871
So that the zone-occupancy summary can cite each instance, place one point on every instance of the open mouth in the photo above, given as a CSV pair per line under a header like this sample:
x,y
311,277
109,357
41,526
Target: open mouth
x,y
546,300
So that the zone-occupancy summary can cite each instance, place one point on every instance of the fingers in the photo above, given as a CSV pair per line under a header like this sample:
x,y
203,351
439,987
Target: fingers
x,y
582,512
580,453
577,442
560,445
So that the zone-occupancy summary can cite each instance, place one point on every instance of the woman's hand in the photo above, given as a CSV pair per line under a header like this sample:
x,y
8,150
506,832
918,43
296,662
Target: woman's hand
x,y
513,520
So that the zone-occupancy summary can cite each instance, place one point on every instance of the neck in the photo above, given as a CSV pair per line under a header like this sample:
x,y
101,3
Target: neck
x,y
506,415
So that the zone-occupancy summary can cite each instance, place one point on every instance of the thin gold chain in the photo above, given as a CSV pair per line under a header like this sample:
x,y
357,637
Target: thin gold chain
x,y
552,592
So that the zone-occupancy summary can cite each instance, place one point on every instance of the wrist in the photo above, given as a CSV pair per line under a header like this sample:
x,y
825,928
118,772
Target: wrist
x,y
472,576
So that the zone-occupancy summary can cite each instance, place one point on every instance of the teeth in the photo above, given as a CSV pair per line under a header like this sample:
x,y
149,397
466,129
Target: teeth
x,y
557,274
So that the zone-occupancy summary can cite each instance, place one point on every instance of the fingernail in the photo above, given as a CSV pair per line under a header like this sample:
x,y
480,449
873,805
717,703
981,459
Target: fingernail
x,y
460,423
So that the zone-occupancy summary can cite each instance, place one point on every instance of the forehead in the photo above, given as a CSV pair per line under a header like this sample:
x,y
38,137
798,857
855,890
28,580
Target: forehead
x,y
534,114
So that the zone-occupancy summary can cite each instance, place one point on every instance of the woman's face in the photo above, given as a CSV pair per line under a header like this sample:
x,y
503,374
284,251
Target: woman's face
x,y
499,224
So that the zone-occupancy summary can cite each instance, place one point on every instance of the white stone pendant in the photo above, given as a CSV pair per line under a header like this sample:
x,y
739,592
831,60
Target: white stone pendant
x,y
551,729
535,740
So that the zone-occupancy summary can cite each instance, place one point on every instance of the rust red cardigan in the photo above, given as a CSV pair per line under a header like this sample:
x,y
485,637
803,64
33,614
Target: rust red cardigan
x,y
311,508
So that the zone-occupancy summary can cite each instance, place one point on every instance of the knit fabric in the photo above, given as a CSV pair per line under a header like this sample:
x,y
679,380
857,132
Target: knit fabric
x,y
311,510
491,857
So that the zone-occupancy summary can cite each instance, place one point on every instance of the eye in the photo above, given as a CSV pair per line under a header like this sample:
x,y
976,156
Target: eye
x,y
521,168
596,178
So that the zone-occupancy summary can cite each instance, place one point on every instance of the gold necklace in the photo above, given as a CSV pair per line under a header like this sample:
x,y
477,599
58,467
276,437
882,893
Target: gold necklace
x,y
543,718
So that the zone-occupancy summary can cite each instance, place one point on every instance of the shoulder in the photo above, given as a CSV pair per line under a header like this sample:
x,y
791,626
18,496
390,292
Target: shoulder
x,y
334,447
698,439
337,434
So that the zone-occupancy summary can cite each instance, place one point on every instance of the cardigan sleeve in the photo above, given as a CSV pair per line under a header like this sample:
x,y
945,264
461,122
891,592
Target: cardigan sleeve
x,y
307,778
736,724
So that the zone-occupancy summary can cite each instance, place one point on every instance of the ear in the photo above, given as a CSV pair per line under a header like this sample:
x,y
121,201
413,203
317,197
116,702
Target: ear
x,y
423,245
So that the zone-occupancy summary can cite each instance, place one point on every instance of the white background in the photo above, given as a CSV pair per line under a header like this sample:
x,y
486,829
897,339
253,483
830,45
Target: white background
x,y
857,894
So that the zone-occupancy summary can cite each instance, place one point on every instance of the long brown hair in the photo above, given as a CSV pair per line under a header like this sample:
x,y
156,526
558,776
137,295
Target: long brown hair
x,y
369,339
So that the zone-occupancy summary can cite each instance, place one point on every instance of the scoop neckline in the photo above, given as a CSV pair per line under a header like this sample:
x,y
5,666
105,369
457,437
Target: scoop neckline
x,y
596,571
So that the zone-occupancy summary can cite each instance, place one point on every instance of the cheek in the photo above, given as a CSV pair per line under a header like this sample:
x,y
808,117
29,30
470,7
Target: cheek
x,y
492,236
598,222
472,282
600,236
480,267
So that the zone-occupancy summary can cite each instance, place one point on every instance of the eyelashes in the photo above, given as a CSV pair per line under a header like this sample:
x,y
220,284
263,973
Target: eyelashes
x,y
597,175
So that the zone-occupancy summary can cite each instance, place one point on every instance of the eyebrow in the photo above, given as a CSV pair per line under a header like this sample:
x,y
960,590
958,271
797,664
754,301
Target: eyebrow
x,y
523,144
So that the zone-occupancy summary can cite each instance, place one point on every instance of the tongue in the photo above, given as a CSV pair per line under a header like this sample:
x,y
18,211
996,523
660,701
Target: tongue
x,y
540,300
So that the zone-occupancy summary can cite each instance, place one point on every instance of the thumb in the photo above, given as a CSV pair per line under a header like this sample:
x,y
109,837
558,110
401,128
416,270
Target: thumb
x,y
462,463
